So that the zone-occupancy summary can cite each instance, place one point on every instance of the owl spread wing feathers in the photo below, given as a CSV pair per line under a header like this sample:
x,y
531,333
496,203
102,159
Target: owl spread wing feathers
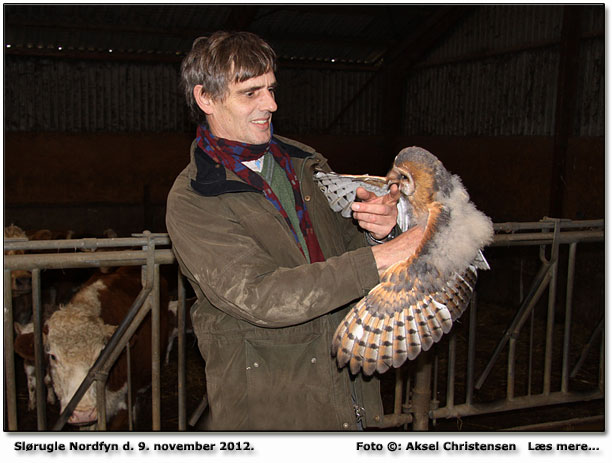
x,y
417,299
340,191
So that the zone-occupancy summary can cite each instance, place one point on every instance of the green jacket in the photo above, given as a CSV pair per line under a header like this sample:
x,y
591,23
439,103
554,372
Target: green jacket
x,y
264,316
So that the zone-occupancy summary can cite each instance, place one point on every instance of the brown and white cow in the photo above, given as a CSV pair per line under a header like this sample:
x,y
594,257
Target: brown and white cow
x,y
25,348
74,336
57,287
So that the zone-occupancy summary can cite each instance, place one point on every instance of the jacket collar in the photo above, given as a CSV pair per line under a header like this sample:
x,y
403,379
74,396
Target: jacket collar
x,y
211,177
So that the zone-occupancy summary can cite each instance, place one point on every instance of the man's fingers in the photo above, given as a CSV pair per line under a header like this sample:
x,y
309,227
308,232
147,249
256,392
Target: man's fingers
x,y
372,208
394,194
364,194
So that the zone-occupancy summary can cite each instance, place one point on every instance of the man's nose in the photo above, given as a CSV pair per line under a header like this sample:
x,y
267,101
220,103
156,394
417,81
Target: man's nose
x,y
268,102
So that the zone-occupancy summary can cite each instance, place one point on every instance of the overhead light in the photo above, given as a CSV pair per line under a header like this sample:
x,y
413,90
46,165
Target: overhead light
x,y
8,45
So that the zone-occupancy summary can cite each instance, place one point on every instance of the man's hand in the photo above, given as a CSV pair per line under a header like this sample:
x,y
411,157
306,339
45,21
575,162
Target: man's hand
x,y
376,214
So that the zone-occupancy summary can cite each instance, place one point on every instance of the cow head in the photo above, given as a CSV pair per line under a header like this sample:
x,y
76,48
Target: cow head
x,y
73,339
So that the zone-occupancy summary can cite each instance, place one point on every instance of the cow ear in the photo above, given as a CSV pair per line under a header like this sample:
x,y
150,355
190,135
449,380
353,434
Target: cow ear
x,y
108,331
19,328
24,345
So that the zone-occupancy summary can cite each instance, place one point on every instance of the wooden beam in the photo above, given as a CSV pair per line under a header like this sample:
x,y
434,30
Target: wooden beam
x,y
567,86
98,55
429,35
397,60
86,27
101,55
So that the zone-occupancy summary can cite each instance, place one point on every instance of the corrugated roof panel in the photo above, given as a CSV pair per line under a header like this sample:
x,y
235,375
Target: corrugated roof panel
x,y
591,104
58,95
501,27
509,95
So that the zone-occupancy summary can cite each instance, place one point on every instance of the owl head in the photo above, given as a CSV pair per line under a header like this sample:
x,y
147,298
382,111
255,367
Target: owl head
x,y
417,171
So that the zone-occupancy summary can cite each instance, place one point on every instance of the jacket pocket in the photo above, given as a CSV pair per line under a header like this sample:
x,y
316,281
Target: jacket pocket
x,y
289,385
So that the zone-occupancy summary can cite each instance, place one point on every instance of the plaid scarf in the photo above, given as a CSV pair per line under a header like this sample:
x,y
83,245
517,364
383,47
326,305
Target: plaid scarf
x,y
231,154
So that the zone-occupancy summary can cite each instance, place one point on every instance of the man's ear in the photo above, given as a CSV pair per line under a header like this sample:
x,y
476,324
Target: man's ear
x,y
203,100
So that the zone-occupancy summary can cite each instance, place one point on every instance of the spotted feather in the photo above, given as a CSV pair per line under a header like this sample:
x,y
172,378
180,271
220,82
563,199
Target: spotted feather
x,y
419,298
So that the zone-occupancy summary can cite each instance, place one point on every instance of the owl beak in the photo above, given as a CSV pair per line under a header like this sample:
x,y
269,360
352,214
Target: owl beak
x,y
401,178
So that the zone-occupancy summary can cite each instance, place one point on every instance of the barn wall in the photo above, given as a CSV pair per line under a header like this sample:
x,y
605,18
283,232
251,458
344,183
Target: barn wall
x,y
497,74
93,144
53,95
90,182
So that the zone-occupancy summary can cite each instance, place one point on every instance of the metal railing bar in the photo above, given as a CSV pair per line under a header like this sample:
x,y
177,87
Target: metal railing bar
x,y
555,425
585,350
128,355
539,284
421,393
546,223
407,405
83,243
571,267
510,370
521,239
100,380
9,358
39,355
182,358
450,384
156,352
550,319
540,400
471,360
395,420
85,259
435,403
531,352
151,274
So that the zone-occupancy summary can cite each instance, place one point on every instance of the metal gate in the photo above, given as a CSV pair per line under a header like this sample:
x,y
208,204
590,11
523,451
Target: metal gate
x,y
416,392
418,398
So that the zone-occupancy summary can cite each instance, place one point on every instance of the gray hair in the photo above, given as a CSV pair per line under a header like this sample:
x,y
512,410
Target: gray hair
x,y
223,58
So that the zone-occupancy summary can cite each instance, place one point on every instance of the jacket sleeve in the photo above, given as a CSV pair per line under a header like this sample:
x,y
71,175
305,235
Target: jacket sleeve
x,y
240,275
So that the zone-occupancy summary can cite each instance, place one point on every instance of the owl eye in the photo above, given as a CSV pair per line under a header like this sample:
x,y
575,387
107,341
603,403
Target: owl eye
x,y
406,178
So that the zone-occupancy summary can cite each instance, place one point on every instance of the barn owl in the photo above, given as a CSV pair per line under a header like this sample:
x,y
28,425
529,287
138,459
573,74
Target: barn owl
x,y
419,298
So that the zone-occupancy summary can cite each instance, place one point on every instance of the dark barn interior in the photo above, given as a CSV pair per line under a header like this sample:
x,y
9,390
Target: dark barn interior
x,y
509,97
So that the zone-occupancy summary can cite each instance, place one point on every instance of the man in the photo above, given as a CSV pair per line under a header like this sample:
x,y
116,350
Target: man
x,y
273,268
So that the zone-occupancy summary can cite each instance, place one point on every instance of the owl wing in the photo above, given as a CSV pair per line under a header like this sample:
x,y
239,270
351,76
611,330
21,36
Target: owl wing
x,y
409,310
340,191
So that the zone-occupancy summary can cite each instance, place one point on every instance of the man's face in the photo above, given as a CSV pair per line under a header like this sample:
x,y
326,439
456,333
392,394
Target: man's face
x,y
245,114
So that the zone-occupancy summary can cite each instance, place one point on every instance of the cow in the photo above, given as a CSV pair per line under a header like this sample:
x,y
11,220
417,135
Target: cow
x,y
76,333
24,336
57,286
